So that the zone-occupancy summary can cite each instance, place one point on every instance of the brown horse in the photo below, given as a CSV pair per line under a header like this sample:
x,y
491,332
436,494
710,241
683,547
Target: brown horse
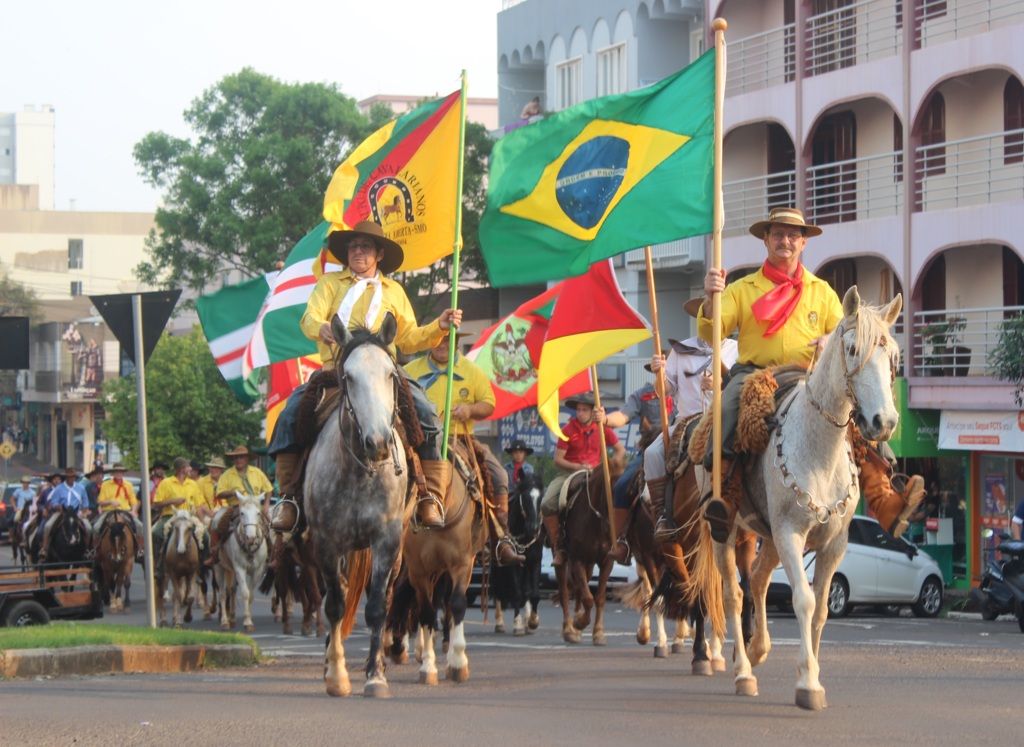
x,y
587,541
115,557
180,558
297,578
431,554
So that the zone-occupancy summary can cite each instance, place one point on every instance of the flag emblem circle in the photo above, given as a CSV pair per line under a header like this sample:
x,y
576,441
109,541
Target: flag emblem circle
x,y
590,178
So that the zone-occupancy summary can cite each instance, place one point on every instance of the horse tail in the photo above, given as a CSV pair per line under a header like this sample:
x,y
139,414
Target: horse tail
x,y
268,581
706,581
632,596
358,565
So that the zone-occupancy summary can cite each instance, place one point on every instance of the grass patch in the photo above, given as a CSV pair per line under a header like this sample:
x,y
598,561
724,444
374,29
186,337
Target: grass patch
x,y
69,634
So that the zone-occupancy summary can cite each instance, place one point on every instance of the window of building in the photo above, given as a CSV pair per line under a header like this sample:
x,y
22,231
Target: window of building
x,y
76,254
841,274
76,288
611,70
1013,121
570,82
929,9
897,147
933,132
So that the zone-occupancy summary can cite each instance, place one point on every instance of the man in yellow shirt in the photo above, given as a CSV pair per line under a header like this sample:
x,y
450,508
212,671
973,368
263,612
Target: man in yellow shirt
x,y
241,478
472,399
784,314
176,493
117,494
208,487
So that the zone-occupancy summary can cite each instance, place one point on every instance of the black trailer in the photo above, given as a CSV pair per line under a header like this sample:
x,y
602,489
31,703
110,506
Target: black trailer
x,y
36,595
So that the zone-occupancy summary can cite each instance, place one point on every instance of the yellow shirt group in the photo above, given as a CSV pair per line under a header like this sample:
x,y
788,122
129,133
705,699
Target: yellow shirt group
x,y
818,312
469,386
208,489
328,295
253,482
171,487
122,492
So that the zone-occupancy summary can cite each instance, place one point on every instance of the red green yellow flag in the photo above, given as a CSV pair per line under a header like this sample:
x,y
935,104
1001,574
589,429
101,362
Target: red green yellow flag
x,y
284,377
404,177
591,321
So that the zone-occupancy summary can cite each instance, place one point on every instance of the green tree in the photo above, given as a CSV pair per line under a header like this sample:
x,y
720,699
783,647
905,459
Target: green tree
x,y
1007,360
424,285
190,410
250,184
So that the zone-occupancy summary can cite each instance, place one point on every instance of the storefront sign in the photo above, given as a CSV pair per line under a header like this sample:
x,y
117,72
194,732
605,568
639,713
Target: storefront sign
x,y
981,431
917,434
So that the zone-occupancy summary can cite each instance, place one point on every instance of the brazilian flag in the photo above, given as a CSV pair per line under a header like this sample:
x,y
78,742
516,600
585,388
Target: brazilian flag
x,y
606,176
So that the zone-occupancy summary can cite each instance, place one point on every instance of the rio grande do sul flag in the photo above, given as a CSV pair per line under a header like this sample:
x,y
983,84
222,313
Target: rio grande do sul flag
x,y
405,177
603,177
591,321
509,351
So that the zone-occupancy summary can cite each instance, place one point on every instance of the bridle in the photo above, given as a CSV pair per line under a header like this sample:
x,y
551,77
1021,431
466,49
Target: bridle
x,y
521,495
249,547
347,411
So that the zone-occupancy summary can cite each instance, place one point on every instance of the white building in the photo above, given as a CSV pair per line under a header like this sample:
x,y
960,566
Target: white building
x,y
26,151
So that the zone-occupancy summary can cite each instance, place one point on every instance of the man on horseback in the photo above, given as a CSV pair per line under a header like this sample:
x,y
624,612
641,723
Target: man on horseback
x,y
361,295
116,494
208,486
23,496
472,399
581,450
784,314
176,493
243,478
70,495
518,466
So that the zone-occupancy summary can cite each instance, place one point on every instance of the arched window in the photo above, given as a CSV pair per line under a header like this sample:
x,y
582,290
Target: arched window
x,y
933,133
1013,121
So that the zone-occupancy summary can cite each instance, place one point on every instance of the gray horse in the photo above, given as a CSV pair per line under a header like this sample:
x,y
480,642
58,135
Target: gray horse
x,y
356,485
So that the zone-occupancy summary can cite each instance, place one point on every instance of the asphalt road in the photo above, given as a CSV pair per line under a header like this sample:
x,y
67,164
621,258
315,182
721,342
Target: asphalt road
x,y
888,680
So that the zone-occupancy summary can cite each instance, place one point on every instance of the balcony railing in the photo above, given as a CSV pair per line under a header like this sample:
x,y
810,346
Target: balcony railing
x,y
851,35
857,189
762,60
749,200
972,171
938,21
958,342
677,253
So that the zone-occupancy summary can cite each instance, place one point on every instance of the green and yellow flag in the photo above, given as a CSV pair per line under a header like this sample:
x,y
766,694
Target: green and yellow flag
x,y
606,176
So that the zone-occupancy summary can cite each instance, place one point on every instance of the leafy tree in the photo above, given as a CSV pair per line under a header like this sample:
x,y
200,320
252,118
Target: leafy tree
x,y
1007,359
190,410
250,184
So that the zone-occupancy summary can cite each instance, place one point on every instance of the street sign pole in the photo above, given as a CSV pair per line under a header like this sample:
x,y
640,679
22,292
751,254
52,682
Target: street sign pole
x,y
147,520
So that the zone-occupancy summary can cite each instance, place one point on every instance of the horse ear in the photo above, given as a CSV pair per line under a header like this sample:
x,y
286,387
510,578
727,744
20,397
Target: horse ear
x,y
892,312
340,331
851,302
388,329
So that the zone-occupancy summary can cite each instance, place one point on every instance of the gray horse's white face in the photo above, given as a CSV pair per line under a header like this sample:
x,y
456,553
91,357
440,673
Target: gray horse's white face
x,y
370,379
249,517
871,360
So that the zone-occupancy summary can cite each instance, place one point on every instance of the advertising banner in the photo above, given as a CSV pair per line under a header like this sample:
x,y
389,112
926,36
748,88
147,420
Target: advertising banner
x,y
82,362
981,431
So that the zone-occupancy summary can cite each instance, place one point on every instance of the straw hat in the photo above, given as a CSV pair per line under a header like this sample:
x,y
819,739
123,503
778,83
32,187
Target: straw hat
x,y
786,216
216,463
118,467
392,258
239,451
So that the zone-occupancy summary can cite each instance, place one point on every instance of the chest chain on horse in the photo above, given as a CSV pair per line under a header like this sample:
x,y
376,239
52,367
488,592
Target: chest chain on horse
x,y
346,407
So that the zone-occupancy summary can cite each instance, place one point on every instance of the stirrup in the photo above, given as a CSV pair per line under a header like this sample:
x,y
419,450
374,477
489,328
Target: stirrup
x,y
295,524
517,551
428,498
665,529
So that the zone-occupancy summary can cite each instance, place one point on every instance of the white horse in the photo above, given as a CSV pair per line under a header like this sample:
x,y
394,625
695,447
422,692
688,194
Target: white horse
x,y
803,491
243,558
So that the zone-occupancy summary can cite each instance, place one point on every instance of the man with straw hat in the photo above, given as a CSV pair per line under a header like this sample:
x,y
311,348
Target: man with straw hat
x,y
242,478
23,496
208,486
117,494
784,314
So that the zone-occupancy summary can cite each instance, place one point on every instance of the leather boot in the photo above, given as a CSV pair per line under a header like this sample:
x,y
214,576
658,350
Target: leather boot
x,y
620,553
429,508
214,549
720,512
889,507
551,523
286,465
661,501
505,548
276,551
287,516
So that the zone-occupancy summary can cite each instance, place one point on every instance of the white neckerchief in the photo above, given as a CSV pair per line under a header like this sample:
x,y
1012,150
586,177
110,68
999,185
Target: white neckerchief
x,y
355,293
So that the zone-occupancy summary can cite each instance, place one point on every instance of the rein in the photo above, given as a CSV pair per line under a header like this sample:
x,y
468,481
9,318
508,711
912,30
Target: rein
x,y
249,548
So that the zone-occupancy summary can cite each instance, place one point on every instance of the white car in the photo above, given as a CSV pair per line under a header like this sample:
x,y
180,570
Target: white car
x,y
878,569
620,574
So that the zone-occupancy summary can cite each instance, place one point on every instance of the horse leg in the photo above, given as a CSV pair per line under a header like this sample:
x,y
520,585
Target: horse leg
x,y
584,599
532,616
190,597
809,692
222,581
458,662
569,633
659,628
760,642
746,551
336,679
246,586
376,614
643,630
732,599
597,635
701,662
499,617
425,642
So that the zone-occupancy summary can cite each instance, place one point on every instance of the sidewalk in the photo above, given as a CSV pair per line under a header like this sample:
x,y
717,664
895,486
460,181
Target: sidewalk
x,y
53,662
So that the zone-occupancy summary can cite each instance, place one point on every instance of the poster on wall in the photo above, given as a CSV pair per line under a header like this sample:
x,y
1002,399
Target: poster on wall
x,y
82,362
981,431
994,510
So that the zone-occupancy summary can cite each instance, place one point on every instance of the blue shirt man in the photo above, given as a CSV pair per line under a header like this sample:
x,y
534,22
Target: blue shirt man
x,y
23,495
68,494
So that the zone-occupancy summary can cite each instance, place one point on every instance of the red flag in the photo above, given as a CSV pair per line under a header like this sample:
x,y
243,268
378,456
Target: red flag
x,y
284,377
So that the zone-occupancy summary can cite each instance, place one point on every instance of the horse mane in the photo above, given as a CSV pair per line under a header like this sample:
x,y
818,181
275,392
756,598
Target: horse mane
x,y
872,329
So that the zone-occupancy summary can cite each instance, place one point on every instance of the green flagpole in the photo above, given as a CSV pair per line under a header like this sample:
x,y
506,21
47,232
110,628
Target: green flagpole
x,y
457,249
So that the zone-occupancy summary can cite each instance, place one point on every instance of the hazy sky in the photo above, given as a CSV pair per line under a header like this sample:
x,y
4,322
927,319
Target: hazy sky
x,y
115,70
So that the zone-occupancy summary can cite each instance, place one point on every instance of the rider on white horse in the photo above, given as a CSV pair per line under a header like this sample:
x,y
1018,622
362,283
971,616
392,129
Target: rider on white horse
x,y
784,314
176,493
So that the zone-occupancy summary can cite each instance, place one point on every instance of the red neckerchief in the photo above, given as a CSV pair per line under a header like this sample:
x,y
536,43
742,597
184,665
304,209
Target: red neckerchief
x,y
120,487
778,304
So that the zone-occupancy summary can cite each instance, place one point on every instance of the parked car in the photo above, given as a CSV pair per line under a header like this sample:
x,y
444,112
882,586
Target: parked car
x,y
7,509
878,569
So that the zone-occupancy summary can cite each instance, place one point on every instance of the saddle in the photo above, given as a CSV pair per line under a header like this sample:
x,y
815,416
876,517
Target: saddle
x,y
571,489
470,466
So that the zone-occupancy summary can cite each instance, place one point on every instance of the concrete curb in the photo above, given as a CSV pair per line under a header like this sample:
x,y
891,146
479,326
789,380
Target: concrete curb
x,y
53,662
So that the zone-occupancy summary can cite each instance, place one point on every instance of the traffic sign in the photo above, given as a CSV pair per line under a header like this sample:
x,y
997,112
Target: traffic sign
x,y
116,311
7,450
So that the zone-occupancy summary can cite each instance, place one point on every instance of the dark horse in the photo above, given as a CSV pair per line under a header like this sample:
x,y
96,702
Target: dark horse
x,y
518,587
356,487
115,556
68,540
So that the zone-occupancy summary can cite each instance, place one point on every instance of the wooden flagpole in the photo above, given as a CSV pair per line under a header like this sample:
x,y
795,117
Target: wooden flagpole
x,y
659,381
719,25
604,460
457,250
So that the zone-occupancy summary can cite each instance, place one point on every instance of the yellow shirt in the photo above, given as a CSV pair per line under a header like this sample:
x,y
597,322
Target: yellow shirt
x,y
254,482
208,490
330,291
817,314
473,386
124,494
171,487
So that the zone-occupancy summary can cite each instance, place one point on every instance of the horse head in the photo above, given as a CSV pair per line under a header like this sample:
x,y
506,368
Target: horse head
x,y
250,526
526,497
869,357
368,383
182,525
116,539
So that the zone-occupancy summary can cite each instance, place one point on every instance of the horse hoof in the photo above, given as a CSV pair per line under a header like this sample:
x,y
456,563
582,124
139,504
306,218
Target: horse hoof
x,y
572,636
207,616
678,648
188,617
250,628
811,700
402,658
746,686
519,632
126,610
179,626
718,665
307,630
660,652
598,639
163,623
458,674
338,688
376,689
225,626
428,678
643,638
701,668
499,628
286,630
533,622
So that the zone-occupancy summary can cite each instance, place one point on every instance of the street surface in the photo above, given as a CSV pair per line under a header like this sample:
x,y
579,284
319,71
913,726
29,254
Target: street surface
x,y
888,680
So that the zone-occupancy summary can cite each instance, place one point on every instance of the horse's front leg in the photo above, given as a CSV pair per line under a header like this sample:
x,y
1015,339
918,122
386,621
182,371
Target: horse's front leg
x,y
597,636
125,582
809,692
246,585
732,601
701,664
336,680
499,617
584,599
569,633
643,629
458,661
376,614
225,593
760,642
679,635
427,620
